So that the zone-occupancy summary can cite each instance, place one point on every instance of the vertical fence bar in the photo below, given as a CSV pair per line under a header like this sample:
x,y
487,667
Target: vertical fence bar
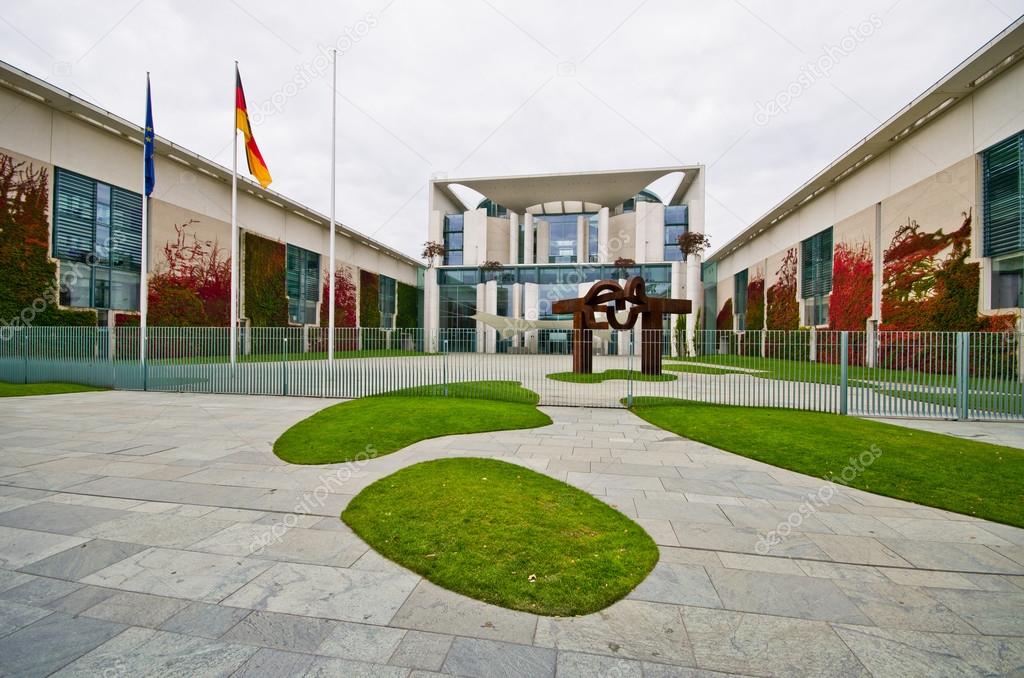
x,y
962,369
844,371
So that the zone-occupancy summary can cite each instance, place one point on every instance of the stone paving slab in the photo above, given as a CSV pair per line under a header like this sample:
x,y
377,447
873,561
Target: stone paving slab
x,y
165,538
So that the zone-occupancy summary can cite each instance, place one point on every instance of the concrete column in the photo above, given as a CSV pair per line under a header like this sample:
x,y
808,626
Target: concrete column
x,y
481,329
602,235
581,239
491,306
474,237
695,293
517,310
543,233
528,238
513,238
531,301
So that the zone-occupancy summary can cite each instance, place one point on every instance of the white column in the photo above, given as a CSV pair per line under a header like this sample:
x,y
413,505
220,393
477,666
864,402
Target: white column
x,y
695,293
513,238
481,305
491,306
431,309
517,309
528,238
602,235
531,302
543,232
581,239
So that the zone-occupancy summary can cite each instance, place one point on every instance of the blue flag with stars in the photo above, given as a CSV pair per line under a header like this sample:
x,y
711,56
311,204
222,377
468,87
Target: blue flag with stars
x,y
148,142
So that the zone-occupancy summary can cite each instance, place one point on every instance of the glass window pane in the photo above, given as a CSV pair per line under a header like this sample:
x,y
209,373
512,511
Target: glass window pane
x,y
76,284
124,290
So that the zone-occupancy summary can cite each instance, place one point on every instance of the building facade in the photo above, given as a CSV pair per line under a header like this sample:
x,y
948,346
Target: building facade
x,y
532,240
75,257
917,227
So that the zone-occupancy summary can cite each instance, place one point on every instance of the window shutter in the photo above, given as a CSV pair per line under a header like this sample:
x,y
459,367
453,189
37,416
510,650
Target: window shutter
x,y
739,303
816,264
807,268
74,215
293,272
1002,197
126,223
312,281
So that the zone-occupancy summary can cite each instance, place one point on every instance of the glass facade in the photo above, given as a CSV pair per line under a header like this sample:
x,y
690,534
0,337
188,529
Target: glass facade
x,y
457,292
562,240
453,239
593,239
816,276
302,283
97,236
386,301
676,224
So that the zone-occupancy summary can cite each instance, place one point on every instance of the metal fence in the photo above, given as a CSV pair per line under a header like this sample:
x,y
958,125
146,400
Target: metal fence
x,y
962,375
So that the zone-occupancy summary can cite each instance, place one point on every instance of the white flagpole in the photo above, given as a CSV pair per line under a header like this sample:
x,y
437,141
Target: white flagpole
x,y
330,274
144,258
234,223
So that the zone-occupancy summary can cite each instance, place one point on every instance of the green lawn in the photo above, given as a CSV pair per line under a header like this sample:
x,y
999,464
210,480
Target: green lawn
x,y
598,377
47,388
965,476
505,535
382,424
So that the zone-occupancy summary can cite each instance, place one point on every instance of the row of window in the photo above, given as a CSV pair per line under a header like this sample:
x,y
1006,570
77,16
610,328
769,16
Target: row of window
x,y
1002,191
554,274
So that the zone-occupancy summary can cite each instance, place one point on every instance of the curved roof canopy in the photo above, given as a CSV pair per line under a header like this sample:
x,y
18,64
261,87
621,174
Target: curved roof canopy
x,y
611,188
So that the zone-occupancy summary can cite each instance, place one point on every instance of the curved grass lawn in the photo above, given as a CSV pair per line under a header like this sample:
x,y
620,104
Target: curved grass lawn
x,y
377,425
505,535
598,377
45,388
965,476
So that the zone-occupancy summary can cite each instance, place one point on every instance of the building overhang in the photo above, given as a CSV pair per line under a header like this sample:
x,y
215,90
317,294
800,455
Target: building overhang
x,y
607,188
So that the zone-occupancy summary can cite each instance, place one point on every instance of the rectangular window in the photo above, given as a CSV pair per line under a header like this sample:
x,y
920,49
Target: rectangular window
x,y
97,236
302,284
386,301
593,239
1003,197
453,239
562,245
816,311
816,265
676,224
1008,282
739,285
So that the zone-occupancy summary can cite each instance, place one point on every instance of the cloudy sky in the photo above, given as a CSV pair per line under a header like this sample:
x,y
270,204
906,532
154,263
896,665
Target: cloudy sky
x,y
764,92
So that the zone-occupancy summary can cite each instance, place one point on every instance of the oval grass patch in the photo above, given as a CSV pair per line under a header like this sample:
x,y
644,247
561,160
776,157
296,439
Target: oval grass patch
x,y
504,534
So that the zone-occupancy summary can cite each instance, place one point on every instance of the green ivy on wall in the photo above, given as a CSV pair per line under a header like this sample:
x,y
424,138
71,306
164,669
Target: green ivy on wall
x,y
29,290
408,312
369,299
266,304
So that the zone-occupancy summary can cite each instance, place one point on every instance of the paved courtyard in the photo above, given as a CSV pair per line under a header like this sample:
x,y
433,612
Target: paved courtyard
x,y
151,534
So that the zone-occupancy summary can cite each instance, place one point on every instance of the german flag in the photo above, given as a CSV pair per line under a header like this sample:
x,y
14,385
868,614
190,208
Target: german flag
x,y
257,167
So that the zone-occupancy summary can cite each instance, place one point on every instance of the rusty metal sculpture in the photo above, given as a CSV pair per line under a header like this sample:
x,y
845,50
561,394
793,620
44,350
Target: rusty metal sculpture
x,y
606,296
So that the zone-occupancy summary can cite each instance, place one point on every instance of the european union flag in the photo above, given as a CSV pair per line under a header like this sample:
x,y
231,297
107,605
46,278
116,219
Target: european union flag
x,y
148,142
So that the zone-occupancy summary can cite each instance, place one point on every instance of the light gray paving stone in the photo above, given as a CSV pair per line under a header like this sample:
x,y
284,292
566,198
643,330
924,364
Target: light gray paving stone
x,y
297,544
432,608
631,629
677,584
40,592
902,607
280,631
951,556
20,547
81,600
9,579
84,559
328,592
138,652
494,659
52,642
179,574
744,561
14,616
660,530
916,654
765,519
744,540
928,578
857,550
169,531
652,670
738,642
205,620
580,665
422,650
991,612
46,516
826,570
856,525
961,532
331,667
683,556
680,511
361,642
136,609
784,595
268,663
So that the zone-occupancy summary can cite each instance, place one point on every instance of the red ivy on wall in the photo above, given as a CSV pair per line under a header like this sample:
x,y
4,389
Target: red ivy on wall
x,y
852,275
344,299
724,320
193,285
369,299
922,291
783,307
754,318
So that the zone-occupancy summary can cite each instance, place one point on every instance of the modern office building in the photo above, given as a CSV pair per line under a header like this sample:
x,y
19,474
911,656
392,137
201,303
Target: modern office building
x,y
81,167
532,240
917,227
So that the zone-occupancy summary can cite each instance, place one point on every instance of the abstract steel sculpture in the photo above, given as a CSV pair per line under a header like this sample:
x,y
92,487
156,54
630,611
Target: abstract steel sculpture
x,y
606,296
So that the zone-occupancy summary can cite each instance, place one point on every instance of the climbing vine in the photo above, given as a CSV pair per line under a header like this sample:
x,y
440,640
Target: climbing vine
x,y
407,313
724,320
344,299
852,276
369,299
266,304
783,307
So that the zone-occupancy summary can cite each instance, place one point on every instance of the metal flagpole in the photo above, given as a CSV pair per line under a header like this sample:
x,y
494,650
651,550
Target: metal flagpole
x,y
234,221
330,274
144,254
